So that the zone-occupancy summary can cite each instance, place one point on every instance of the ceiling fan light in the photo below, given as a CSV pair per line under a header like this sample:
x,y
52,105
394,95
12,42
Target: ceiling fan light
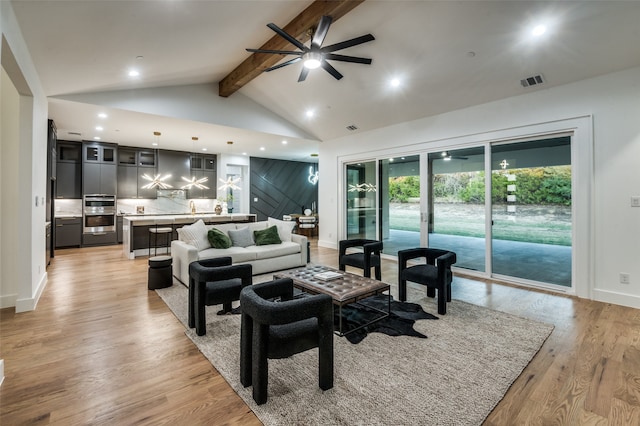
x,y
312,60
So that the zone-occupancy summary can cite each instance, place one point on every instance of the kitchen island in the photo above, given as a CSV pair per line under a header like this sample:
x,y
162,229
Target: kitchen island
x,y
135,228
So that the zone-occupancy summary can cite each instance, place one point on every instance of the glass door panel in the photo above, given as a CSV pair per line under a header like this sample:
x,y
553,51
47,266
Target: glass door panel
x,y
400,203
456,205
531,210
361,193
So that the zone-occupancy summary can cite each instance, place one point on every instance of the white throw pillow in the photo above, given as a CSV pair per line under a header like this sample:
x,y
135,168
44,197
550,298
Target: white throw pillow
x,y
284,227
195,235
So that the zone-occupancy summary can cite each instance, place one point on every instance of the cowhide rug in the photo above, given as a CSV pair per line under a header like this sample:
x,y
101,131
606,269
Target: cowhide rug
x,y
399,322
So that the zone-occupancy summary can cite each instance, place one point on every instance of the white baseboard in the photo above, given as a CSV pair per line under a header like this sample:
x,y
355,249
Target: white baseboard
x,y
328,244
8,301
29,304
617,298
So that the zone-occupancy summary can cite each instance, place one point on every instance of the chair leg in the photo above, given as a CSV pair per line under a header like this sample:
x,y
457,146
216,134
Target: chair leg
x,y
442,301
246,335
367,272
325,361
341,267
378,273
201,326
402,290
260,363
431,292
226,307
192,295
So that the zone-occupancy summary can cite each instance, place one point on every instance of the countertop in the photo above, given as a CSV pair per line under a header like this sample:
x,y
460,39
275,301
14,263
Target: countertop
x,y
147,219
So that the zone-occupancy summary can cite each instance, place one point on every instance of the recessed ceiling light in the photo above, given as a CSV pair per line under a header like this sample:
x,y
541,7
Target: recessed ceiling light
x,y
310,113
244,153
204,149
394,82
134,73
99,128
154,144
538,30
102,115
391,160
97,138
284,142
262,148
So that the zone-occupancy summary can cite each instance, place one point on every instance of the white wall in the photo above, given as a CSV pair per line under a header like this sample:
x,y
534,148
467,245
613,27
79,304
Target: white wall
x,y
613,102
29,161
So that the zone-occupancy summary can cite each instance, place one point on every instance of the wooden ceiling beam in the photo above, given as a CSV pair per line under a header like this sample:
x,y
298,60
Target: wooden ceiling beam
x,y
298,28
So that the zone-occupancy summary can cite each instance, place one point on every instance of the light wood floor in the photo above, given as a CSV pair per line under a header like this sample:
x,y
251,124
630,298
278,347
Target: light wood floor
x,y
102,349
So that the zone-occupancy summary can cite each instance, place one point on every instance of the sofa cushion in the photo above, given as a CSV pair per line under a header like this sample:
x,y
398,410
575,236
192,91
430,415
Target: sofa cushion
x,y
225,227
267,236
237,254
255,226
284,227
195,235
276,250
241,237
218,239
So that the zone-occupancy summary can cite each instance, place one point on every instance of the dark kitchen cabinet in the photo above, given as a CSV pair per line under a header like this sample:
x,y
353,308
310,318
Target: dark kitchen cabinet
x,y
203,166
68,231
69,180
176,164
127,182
69,170
99,168
133,163
99,178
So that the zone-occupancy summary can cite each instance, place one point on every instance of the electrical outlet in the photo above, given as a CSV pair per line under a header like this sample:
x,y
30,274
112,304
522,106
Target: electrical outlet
x,y
625,278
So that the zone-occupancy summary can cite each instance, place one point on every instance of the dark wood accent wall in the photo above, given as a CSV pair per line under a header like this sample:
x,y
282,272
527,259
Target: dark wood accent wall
x,y
281,187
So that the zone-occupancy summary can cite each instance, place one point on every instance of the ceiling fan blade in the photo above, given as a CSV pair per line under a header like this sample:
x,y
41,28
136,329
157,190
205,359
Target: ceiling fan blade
x,y
287,37
345,58
321,32
303,74
284,64
278,52
331,70
348,43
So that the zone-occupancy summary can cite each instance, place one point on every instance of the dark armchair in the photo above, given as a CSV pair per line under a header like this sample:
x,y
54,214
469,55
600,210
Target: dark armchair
x,y
435,273
214,282
273,329
367,259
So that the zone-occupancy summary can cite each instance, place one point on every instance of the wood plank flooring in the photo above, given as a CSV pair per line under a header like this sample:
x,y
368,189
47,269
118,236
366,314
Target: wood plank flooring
x,y
102,349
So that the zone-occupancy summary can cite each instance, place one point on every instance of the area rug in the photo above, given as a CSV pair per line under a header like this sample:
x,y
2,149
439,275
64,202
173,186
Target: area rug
x,y
456,376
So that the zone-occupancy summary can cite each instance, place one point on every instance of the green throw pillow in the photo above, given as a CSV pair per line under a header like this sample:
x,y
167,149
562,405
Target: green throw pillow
x,y
267,236
218,239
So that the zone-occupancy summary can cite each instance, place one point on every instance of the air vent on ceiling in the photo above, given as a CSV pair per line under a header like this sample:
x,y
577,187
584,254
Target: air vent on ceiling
x,y
75,133
535,80
352,127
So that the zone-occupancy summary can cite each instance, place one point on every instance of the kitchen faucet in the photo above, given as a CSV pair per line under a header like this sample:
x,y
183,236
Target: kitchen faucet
x,y
193,207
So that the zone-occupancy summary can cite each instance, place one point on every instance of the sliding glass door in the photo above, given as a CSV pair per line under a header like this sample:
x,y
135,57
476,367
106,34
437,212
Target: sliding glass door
x,y
400,203
531,210
456,205
503,208
362,190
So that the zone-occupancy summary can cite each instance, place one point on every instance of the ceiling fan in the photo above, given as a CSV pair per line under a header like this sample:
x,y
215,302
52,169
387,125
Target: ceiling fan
x,y
316,55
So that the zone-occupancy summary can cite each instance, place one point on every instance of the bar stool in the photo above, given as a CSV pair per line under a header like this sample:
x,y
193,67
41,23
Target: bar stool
x,y
156,230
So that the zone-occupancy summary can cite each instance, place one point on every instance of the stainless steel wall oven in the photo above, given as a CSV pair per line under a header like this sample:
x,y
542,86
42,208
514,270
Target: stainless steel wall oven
x,y
99,213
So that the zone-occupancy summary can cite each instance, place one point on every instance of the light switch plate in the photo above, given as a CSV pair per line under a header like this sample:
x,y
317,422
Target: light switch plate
x,y
635,201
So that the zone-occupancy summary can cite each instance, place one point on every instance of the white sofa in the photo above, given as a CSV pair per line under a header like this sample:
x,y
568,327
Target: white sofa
x,y
290,253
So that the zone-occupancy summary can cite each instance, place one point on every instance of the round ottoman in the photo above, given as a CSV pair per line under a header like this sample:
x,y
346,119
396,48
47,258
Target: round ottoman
x,y
160,272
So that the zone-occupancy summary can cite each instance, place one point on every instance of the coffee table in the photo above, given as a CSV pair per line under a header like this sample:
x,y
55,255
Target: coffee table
x,y
348,289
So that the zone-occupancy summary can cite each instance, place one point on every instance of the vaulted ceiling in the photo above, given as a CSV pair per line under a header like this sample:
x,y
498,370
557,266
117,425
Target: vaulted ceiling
x,y
445,55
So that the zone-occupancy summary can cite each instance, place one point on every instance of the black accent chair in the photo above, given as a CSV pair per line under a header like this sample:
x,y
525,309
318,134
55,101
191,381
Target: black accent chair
x,y
274,326
214,282
368,258
435,273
